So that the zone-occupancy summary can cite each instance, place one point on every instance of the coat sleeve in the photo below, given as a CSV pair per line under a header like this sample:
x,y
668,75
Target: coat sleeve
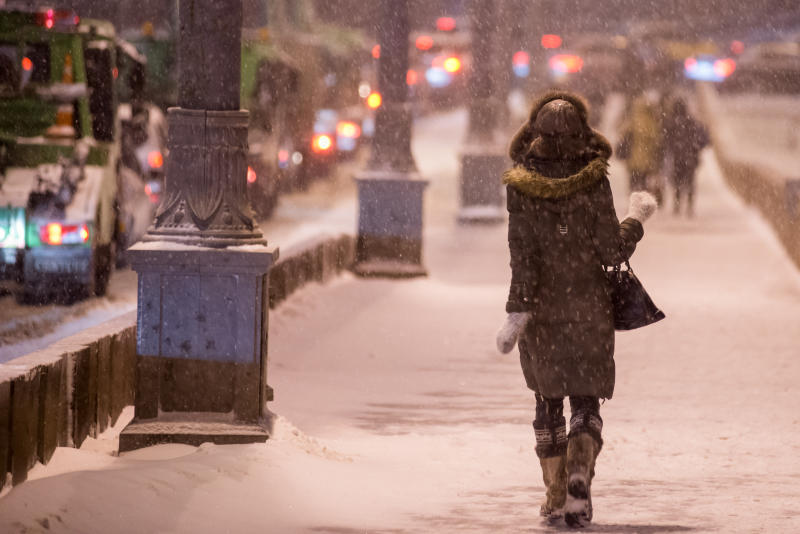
x,y
615,241
524,267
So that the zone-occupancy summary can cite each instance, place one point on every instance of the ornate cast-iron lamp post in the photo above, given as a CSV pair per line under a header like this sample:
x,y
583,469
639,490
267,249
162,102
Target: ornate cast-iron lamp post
x,y
390,188
202,267
483,156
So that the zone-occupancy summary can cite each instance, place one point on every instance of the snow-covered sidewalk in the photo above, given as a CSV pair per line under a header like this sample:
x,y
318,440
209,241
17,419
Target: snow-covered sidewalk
x,y
396,413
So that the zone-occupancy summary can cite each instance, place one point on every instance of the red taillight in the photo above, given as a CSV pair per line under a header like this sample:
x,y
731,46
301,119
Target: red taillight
x,y
374,100
59,234
412,78
50,17
155,159
376,51
27,64
724,67
53,234
689,63
520,57
566,63
424,42
551,40
251,175
321,143
348,129
445,24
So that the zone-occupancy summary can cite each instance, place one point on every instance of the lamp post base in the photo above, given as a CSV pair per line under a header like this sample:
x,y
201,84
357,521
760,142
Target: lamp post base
x,y
201,344
190,429
389,240
481,187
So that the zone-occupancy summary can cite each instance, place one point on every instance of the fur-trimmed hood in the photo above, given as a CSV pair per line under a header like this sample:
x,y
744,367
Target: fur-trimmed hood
x,y
521,144
533,184
542,170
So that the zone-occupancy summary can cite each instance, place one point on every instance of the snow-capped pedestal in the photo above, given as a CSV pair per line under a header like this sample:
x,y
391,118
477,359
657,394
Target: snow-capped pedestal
x,y
201,344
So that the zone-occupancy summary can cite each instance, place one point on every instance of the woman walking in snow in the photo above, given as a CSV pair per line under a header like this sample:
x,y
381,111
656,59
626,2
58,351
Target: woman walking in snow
x,y
562,229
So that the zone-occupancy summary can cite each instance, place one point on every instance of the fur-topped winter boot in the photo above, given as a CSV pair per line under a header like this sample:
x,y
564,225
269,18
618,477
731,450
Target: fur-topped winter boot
x,y
554,473
582,451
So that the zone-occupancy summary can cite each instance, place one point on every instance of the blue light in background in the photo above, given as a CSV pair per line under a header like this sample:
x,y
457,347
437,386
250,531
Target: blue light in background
x,y
438,77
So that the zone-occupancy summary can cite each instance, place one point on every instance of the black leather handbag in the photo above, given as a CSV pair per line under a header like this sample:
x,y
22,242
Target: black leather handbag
x,y
633,307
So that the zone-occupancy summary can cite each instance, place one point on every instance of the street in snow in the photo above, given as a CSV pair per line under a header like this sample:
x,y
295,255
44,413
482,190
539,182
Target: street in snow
x,y
395,413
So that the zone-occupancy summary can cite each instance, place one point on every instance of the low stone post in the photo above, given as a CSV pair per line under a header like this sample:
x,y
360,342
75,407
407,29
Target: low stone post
x,y
202,267
390,189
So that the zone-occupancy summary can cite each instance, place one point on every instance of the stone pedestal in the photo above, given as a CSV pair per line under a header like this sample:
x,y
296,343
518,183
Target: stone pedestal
x,y
201,344
482,199
389,224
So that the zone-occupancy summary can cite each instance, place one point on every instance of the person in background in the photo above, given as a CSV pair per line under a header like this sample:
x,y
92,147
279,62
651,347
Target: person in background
x,y
685,137
641,144
562,229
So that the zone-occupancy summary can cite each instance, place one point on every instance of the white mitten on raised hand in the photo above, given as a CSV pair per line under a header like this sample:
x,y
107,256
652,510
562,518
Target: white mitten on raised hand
x,y
641,206
508,334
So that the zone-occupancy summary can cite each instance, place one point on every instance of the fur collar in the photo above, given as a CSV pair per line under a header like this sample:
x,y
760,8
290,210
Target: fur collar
x,y
535,185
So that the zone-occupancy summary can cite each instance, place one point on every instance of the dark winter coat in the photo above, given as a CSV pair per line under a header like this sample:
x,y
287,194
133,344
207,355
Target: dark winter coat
x,y
685,137
562,229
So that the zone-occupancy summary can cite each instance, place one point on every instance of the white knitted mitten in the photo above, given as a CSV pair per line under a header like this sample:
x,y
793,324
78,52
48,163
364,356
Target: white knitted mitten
x,y
641,206
508,334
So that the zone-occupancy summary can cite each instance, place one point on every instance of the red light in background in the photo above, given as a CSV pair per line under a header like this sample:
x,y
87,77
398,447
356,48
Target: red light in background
x,y
689,63
374,100
251,175
724,67
452,64
520,58
737,47
348,129
412,78
115,72
424,42
27,64
445,24
57,234
376,51
566,63
155,159
321,143
551,40
52,234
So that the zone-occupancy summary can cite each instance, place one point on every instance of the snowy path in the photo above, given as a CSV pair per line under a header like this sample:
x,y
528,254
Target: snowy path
x,y
398,415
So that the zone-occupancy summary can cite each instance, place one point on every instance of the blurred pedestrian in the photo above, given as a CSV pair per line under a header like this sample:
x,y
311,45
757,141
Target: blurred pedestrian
x,y
685,137
562,229
641,144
